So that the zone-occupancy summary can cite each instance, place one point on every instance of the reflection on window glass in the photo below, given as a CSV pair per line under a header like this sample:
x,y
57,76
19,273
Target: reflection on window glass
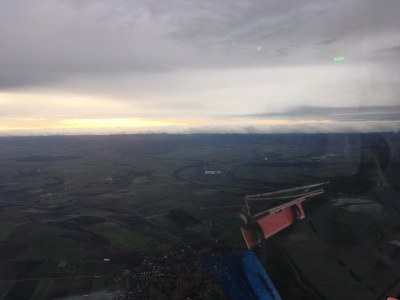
x,y
199,149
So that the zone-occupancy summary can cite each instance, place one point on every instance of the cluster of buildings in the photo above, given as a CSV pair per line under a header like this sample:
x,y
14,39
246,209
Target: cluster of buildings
x,y
176,274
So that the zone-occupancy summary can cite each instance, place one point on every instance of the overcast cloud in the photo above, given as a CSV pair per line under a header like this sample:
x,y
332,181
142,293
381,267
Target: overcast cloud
x,y
202,62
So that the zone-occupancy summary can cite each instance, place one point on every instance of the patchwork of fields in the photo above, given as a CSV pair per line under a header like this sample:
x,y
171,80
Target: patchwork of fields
x,y
85,215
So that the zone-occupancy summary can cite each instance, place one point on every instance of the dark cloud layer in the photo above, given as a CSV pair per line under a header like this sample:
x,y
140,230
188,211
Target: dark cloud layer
x,y
45,41
339,114
192,60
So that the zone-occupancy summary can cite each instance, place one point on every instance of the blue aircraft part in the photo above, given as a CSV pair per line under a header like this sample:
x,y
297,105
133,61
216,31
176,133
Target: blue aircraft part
x,y
257,277
241,277
227,270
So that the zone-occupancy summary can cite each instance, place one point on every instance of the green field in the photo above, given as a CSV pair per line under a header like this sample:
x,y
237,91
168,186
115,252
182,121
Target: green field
x,y
83,199
55,253
125,238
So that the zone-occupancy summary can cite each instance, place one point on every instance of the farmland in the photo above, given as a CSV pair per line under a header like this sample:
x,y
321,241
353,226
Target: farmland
x,y
82,215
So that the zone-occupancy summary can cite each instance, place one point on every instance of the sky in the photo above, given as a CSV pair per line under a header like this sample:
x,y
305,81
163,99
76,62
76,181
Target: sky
x,y
184,66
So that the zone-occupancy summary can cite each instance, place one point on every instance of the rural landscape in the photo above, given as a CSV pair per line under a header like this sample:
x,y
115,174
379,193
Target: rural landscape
x,y
156,216
190,150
